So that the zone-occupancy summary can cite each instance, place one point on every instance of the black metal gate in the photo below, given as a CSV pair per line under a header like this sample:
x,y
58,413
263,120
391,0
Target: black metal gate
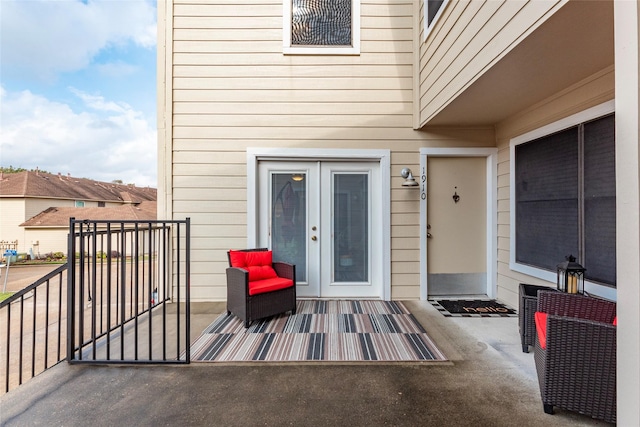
x,y
128,291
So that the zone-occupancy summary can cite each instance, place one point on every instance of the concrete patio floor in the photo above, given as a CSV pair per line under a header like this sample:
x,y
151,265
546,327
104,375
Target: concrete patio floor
x,y
489,381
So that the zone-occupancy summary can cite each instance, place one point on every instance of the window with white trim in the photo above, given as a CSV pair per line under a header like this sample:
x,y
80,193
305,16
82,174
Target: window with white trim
x,y
321,27
432,11
564,188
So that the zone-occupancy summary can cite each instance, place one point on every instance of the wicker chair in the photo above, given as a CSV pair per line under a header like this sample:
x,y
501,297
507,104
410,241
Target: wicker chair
x,y
251,307
577,370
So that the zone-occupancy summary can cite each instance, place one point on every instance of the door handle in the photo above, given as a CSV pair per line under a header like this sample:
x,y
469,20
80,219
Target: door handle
x,y
314,238
428,235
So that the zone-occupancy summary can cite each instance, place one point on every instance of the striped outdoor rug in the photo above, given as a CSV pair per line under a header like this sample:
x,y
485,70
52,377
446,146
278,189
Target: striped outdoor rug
x,y
321,331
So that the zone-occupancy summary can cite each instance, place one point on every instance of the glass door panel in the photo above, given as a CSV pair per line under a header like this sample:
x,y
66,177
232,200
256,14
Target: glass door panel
x,y
288,224
289,220
350,227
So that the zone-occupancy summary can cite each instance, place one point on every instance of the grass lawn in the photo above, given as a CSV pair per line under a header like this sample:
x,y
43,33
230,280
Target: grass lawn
x,y
5,295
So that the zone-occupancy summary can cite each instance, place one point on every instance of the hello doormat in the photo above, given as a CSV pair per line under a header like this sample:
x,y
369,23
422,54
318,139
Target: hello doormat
x,y
472,308
340,331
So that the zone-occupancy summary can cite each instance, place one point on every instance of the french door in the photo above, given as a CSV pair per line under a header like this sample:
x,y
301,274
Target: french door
x,y
324,217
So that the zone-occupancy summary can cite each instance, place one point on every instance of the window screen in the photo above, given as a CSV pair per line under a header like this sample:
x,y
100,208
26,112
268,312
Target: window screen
x,y
547,199
600,200
565,199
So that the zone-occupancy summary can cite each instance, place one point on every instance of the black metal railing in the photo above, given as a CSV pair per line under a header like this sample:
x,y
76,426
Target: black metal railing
x,y
128,292
32,329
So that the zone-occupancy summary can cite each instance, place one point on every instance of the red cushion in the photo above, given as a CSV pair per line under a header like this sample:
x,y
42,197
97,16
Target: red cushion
x,y
615,321
541,328
238,258
269,285
261,272
258,264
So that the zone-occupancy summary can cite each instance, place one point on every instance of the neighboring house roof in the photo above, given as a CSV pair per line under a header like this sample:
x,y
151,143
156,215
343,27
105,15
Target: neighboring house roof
x,y
47,185
59,217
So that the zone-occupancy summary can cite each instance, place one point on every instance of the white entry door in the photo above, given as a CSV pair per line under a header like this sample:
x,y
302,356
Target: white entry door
x,y
324,217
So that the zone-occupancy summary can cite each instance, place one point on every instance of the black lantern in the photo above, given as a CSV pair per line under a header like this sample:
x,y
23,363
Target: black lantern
x,y
571,276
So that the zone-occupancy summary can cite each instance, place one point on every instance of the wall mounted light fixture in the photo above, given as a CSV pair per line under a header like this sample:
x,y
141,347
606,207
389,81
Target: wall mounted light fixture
x,y
409,180
456,197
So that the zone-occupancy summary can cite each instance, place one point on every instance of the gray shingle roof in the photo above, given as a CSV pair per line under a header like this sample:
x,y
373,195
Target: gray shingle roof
x,y
39,184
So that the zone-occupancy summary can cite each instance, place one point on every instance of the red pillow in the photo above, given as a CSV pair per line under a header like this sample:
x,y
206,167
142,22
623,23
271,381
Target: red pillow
x,y
258,264
238,258
615,321
541,328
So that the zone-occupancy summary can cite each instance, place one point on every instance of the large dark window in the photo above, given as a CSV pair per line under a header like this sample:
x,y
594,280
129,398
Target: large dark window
x,y
565,199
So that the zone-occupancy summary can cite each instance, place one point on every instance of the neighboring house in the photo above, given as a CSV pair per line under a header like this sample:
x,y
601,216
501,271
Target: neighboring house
x,y
287,125
35,207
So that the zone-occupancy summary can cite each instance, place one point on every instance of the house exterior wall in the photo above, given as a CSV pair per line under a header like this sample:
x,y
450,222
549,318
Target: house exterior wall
x,y
590,92
36,205
46,240
15,211
230,87
470,37
12,212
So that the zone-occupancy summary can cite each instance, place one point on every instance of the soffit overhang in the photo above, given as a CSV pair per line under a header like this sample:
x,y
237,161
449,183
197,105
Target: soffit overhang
x,y
573,44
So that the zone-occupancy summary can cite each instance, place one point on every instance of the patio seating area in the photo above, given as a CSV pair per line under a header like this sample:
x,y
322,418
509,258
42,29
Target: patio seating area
x,y
489,381
258,287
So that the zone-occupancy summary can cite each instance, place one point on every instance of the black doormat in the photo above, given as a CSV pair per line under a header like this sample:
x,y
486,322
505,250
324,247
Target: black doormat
x,y
472,308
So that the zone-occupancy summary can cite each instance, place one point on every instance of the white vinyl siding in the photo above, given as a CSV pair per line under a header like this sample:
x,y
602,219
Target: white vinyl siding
x,y
229,88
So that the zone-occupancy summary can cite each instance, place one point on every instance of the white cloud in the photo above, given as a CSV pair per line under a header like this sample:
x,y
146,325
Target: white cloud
x,y
45,37
116,69
107,141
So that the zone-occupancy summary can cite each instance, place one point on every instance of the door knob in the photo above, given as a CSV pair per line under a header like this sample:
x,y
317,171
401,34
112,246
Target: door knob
x,y
428,235
314,238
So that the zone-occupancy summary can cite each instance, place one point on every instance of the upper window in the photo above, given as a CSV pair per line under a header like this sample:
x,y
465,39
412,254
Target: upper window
x,y
79,204
321,26
564,188
432,11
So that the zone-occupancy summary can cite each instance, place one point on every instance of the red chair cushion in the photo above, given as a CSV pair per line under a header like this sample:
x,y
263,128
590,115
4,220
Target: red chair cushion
x,y
268,285
541,328
259,264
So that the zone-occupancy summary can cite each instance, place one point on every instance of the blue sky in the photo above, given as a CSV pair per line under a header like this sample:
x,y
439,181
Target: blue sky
x,y
78,88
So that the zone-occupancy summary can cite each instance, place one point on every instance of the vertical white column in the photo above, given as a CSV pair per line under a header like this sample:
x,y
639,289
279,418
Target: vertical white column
x,y
627,92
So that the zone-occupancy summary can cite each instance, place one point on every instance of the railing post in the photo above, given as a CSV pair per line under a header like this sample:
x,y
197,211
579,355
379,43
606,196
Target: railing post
x,y
188,290
71,272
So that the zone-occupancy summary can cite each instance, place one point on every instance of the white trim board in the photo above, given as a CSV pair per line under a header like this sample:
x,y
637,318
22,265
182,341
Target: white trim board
x,y
491,155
